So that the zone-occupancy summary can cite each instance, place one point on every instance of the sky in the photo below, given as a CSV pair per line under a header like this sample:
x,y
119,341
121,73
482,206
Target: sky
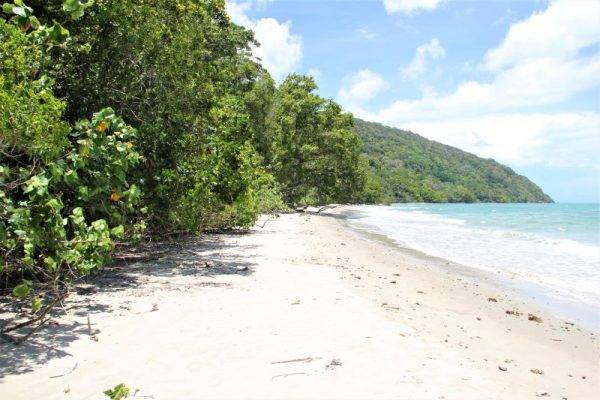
x,y
516,81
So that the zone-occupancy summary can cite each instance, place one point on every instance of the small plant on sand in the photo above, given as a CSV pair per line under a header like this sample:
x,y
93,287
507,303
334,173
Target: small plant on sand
x,y
119,392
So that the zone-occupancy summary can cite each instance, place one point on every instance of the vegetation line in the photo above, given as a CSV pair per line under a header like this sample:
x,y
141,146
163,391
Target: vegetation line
x,y
123,120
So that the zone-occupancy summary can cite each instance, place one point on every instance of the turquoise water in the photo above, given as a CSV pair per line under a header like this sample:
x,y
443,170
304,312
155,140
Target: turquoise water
x,y
555,247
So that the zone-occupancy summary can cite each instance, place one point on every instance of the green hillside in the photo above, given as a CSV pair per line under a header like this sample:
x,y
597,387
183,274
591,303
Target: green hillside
x,y
409,168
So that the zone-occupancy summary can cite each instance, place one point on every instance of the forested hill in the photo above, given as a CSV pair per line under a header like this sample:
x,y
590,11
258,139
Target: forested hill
x,y
412,168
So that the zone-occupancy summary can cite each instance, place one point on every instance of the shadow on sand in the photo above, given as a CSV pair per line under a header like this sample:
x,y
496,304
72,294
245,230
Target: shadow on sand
x,y
206,256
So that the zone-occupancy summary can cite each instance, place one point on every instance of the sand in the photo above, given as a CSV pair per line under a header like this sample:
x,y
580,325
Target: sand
x,y
302,308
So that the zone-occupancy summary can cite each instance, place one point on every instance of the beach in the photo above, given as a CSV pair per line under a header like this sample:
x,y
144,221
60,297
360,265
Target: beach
x,y
301,307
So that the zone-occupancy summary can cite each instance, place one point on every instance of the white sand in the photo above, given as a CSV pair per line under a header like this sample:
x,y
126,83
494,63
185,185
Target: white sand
x,y
313,289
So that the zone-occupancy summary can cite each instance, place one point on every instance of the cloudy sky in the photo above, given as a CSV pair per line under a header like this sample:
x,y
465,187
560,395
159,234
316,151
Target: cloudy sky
x,y
517,81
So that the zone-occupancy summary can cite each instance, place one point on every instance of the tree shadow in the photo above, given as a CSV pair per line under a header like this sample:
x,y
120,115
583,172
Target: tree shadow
x,y
209,256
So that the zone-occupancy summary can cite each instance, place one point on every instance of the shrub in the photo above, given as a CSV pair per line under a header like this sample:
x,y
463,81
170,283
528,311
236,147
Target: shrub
x,y
61,216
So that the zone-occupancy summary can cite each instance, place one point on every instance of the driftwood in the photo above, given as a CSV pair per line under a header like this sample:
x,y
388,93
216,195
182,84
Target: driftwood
x,y
306,359
41,318
315,209
290,374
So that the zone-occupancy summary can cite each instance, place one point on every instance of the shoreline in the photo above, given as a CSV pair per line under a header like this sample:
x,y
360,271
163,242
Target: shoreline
x,y
304,307
524,289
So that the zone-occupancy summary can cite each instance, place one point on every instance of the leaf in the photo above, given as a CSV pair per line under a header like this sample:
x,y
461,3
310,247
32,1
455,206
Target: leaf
x,y
114,197
50,263
21,291
36,305
20,11
119,392
35,23
54,204
71,177
7,8
118,231
58,33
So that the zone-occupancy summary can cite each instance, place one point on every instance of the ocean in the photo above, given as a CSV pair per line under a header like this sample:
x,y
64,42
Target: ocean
x,y
551,252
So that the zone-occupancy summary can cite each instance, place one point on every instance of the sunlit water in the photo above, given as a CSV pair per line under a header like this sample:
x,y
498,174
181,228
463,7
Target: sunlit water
x,y
554,246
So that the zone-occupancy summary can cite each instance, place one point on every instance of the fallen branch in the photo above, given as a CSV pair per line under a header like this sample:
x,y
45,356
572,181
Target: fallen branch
x,y
307,359
284,375
66,373
40,318
316,210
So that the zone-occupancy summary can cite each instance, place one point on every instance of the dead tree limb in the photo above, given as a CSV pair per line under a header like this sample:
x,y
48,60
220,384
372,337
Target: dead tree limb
x,y
39,318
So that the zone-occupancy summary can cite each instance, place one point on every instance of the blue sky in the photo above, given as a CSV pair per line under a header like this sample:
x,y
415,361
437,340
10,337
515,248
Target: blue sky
x,y
517,81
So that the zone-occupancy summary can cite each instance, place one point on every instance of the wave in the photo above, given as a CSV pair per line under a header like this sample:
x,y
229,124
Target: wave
x,y
566,267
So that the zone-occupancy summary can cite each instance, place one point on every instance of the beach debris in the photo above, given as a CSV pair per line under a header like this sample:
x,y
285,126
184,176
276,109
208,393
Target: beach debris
x,y
154,307
541,393
513,312
393,282
535,318
478,318
66,373
502,368
334,363
66,390
492,299
242,268
90,333
305,359
295,302
420,292
537,371
286,375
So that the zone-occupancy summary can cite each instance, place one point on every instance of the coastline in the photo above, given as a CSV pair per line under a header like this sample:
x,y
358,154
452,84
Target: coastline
x,y
304,307
528,291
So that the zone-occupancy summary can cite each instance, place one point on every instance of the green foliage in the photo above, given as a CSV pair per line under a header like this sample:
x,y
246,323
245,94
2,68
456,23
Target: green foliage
x,y
114,114
179,72
67,212
312,149
119,392
411,168
30,115
22,290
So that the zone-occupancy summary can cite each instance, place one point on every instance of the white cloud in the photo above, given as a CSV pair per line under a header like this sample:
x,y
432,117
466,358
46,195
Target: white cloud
x,y
410,6
558,32
366,33
540,62
360,87
280,50
237,13
521,139
420,62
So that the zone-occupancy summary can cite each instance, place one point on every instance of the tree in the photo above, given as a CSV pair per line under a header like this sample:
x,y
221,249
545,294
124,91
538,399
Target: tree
x,y
316,155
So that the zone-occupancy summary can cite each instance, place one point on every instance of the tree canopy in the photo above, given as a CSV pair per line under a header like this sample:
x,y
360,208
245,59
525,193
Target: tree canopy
x,y
123,119
410,168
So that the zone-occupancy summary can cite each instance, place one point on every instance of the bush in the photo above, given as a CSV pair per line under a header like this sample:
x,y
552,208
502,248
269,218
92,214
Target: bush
x,y
64,214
